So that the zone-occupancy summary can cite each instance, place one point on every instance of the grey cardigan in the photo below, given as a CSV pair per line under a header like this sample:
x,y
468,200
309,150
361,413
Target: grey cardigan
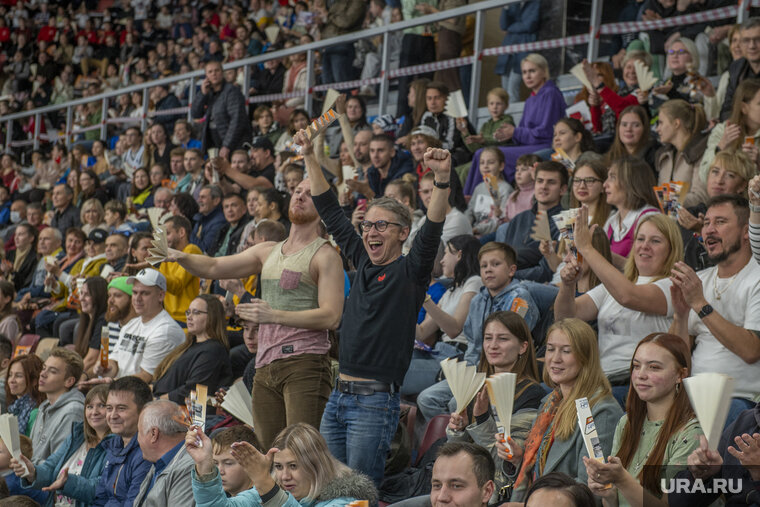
x,y
173,486
566,456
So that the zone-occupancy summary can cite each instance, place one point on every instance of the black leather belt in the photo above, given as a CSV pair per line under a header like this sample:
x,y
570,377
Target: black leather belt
x,y
365,387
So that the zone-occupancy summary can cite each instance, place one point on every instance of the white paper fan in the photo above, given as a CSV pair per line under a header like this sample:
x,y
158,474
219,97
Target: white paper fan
x,y
464,380
160,249
710,396
10,437
455,106
238,403
501,391
580,75
644,76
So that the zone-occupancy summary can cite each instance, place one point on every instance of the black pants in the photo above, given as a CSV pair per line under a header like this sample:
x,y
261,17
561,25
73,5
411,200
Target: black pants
x,y
415,50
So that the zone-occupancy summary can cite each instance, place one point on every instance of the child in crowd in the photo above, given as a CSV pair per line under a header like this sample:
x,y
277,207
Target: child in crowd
x,y
498,102
233,474
522,197
490,196
264,124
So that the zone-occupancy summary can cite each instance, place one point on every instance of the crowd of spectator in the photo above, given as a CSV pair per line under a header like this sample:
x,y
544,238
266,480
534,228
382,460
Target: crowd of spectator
x,y
330,273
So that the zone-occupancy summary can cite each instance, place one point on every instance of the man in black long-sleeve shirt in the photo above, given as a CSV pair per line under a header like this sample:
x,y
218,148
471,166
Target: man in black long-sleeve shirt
x,y
377,333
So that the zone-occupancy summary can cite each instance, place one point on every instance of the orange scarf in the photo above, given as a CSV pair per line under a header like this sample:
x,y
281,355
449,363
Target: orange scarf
x,y
537,435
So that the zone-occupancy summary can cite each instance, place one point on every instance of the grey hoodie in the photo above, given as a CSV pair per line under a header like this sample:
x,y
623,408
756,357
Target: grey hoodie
x,y
55,423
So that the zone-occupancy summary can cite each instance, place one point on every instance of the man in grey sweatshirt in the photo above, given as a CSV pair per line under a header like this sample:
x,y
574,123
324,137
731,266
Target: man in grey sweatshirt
x,y
64,405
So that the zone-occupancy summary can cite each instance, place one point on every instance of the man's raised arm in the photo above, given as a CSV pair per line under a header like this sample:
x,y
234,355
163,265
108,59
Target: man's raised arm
x,y
240,265
319,184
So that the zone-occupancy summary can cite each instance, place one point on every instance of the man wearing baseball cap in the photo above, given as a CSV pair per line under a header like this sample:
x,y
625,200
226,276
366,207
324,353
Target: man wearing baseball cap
x,y
145,340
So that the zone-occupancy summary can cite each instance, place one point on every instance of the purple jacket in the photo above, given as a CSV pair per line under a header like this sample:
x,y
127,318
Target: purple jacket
x,y
535,133
541,112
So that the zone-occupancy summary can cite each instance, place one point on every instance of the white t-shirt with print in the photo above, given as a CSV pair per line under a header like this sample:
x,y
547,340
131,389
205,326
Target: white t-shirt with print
x,y
740,305
144,345
621,329
450,300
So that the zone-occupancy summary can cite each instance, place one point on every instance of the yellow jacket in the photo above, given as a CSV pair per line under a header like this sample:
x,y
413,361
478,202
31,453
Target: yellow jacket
x,y
181,286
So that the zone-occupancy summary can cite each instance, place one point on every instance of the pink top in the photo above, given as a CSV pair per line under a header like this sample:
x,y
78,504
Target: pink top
x,y
523,202
622,245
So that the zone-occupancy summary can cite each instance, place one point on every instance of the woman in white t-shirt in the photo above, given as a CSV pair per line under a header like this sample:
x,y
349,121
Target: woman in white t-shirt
x,y
459,263
630,305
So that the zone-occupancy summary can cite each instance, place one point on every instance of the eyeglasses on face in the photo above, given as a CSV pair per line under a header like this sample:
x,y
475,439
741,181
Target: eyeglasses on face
x,y
585,181
380,225
677,52
194,313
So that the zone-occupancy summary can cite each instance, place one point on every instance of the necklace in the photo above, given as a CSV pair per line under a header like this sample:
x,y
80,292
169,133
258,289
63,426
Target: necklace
x,y
719,293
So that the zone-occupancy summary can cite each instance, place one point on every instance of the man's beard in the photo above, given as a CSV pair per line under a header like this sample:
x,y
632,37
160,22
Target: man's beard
x,y
115,314
726,253
299,217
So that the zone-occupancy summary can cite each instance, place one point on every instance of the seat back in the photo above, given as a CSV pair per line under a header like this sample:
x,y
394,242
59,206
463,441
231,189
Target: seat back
x,y
435,430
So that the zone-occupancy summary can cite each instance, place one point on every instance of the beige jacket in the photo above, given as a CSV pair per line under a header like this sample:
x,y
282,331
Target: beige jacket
x,y
684,166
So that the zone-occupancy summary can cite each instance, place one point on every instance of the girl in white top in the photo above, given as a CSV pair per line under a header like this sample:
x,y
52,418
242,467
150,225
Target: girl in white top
x,y
627,306
483,211
459,263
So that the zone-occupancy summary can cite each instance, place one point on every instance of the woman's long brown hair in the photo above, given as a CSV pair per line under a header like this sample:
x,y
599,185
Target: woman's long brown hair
x,y
679,414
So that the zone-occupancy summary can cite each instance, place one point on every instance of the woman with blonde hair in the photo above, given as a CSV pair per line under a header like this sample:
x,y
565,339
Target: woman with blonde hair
x,y
298,471
92,216
654,439
680,128
202,359
741,131
627,304
542,110
555,442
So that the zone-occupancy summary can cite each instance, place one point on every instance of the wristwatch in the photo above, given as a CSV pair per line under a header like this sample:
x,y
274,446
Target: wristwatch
x,y
705,311
442,185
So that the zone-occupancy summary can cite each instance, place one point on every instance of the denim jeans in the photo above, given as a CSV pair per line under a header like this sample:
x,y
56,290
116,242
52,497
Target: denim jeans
x,y
358,430
435,400
738,405
338,63
425,366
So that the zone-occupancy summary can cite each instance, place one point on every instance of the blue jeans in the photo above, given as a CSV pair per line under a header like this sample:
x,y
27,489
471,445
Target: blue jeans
x,y
738,405
359,429
435,400
338,63
425,366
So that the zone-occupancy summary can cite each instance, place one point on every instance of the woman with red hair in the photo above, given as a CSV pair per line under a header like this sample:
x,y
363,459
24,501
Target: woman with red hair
x,y
658,432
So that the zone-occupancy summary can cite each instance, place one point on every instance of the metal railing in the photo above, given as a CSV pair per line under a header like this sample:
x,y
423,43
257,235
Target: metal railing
x,y
478,8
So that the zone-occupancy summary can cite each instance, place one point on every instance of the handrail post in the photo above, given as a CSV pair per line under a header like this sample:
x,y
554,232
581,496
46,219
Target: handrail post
x,y
190,98
308,97
37,118
103,118
385,83
8,134
69,125
144,121
476,67
742,10
246,85
593,30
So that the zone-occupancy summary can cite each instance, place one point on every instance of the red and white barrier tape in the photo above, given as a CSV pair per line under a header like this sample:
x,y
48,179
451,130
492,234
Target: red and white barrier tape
x,y
685,19
123,119
347,84
539,44
79,130
254,99
29,142
168,112
430,67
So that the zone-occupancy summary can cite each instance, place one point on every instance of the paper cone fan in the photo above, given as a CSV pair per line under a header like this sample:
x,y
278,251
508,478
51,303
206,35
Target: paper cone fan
x,y
710,396
580,75
330,98
154,215
464,380
10,436
272,32
160,249
644,76
501,391
238,403
455,105
541,230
